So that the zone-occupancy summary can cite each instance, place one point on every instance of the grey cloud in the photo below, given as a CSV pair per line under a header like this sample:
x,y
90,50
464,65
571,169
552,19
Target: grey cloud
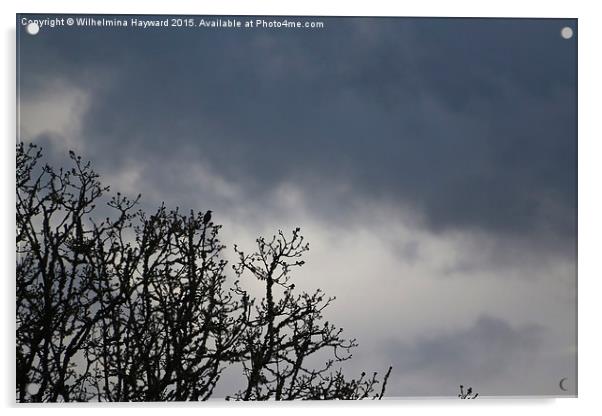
x,y
487,350
483,349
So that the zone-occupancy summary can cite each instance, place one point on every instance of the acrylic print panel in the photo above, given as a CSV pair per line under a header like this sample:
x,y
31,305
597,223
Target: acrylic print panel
x,y
204,201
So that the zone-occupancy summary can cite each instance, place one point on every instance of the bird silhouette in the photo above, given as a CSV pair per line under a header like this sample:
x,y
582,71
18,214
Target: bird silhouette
x,y
207,217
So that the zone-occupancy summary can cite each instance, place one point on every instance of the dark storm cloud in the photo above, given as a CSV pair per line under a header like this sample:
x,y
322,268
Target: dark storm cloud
x,y
472,122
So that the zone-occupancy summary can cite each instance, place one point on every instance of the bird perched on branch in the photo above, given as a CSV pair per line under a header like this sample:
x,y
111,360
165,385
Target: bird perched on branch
x,y
207,217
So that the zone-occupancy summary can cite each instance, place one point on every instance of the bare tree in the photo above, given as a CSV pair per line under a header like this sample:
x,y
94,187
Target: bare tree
x,y
179,327
467,394
287,330
138,307
56,308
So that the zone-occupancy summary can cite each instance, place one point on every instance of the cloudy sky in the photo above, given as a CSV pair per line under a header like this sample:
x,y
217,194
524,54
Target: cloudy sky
x,y
431,164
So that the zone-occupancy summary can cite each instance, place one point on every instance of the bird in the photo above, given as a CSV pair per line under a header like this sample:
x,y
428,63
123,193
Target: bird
x,y
207,217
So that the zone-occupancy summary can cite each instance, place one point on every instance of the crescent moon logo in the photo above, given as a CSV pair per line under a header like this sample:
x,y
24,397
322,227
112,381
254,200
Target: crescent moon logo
x,y
561,384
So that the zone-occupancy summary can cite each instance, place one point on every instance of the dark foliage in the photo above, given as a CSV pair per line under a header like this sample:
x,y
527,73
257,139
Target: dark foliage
x,y
468,393
138,307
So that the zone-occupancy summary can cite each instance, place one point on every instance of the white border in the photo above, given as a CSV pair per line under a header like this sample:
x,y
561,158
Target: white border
x,y
590,183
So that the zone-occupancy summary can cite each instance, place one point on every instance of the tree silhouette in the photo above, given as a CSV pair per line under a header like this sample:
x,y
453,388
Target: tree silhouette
x,y
178,326
56,307
287,329
139,307
467,394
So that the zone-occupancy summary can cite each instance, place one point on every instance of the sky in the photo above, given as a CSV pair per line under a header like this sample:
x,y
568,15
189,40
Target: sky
x,y
431,164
